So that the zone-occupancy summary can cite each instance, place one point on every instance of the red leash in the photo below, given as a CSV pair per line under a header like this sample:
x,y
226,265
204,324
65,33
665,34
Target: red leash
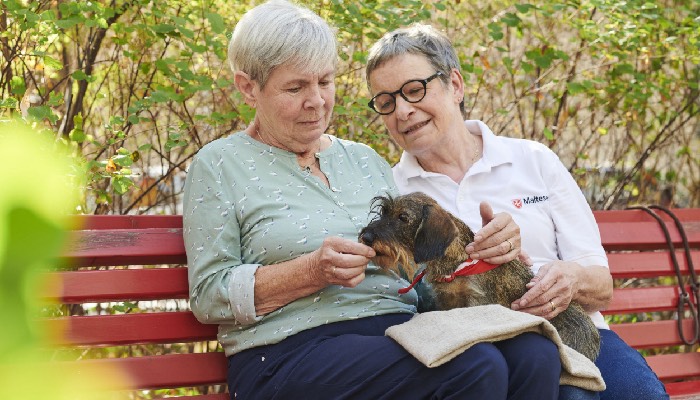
x,y
469,267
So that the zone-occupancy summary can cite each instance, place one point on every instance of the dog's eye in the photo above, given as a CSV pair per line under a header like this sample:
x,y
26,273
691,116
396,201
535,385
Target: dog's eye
x,y
403,217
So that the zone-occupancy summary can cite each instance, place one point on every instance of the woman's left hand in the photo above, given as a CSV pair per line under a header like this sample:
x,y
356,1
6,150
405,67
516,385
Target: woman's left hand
x,y
498,241
550,291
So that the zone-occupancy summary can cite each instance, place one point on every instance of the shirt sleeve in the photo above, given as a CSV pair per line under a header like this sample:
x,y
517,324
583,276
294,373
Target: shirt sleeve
x,y
221,286
576,231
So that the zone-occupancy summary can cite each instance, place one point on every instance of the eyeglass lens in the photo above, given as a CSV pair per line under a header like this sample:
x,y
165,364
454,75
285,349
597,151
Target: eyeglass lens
x,y
411,91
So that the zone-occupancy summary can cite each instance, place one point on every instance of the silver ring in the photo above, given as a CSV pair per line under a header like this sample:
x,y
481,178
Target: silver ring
x,y
553,306
511,245
333,271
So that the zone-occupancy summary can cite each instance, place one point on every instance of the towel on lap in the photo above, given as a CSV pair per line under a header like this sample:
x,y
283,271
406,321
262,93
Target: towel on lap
x,y
436,337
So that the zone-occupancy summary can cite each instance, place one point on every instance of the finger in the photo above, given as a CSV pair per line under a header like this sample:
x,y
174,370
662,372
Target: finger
x,y
500,224
348,277
499,256
537,293
486,213
546,310
346,246
524,257
495,233
492,243
345,273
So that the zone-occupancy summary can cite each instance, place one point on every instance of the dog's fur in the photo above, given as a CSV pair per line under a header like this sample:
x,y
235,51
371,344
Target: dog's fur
x,y
413,229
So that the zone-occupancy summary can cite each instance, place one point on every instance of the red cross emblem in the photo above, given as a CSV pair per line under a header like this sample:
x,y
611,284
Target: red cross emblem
x,y
518,203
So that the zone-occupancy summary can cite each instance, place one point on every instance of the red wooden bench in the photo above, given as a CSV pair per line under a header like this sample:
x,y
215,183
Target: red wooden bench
x,y
171,351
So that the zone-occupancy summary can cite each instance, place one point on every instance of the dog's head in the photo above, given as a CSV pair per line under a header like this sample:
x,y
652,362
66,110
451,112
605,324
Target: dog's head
x,y
407,230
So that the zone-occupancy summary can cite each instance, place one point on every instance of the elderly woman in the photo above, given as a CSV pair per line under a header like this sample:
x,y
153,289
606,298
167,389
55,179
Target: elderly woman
x,y
271,220
414,76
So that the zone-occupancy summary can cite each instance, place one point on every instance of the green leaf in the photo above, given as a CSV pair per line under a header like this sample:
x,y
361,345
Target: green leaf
x,y
52,62
79,75
9,102
216,21
18,86
163,28
43,112
575,87
122,184
495,31
524,8
548,134
511,20
22,258
77,135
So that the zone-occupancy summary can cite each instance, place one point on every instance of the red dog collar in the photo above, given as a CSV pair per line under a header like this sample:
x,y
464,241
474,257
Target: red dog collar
x,y
469,267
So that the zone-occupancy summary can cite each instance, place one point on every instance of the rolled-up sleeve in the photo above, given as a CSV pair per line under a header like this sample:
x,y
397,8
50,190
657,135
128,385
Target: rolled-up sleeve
x,y
221,286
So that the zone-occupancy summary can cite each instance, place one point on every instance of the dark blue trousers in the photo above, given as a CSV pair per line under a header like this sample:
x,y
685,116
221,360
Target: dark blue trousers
x,y
354,360
626,373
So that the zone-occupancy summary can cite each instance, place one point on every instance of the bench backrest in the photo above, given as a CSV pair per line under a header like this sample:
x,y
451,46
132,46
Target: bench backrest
x,y
181,355
646,296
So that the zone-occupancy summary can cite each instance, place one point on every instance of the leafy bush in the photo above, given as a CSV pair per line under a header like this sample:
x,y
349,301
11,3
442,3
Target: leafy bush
x,y
139,86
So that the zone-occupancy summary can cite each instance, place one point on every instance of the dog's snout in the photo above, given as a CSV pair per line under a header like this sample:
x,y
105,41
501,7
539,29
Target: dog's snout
x,y
367,237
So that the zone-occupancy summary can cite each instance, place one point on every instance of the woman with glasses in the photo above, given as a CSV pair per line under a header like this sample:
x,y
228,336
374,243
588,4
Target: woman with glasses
x,y
414,76
271,220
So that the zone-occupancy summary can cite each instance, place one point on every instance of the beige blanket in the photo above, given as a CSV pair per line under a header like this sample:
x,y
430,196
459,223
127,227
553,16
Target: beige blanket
x,y
436,337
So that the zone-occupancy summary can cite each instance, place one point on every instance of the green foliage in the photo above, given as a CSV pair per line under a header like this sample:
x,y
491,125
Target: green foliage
x,y
32,222
611,86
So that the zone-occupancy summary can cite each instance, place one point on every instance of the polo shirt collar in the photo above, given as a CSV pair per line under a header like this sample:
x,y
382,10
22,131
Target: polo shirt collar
x,y
495,152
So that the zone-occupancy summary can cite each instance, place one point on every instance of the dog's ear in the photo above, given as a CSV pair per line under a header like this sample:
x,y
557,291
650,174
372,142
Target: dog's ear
x,y
434,235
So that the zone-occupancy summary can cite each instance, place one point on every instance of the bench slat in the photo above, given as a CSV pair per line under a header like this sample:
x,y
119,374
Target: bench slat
x,y
649,264
107,222
644,235
125,247
644,299
167,370
684,214
128,329
671,367
648,334
122,285
683,390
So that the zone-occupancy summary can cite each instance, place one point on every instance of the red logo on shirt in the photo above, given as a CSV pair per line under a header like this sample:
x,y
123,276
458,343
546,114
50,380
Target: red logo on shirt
x,y
518,203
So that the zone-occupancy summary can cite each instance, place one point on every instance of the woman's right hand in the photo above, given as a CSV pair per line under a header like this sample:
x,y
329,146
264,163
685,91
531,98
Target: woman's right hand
x,y
340,262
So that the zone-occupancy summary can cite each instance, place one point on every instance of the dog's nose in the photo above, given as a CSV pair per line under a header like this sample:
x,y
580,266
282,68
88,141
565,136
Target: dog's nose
x,y
367,237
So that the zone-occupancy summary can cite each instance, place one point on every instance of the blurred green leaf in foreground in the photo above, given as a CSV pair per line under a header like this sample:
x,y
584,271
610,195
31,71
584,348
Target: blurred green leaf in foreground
x,y
37,192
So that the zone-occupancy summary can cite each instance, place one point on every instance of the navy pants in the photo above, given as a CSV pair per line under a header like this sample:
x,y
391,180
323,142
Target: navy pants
x,y
626,373
354,360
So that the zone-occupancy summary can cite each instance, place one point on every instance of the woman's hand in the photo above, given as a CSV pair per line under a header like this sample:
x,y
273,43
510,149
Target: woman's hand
x,y
499,240
551,290
337,262
558,283
340,262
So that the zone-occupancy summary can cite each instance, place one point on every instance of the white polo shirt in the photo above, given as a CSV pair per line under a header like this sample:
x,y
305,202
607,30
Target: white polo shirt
x,y
527,180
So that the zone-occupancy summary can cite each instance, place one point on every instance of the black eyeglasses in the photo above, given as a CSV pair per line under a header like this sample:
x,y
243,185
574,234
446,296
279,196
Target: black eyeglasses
x,y
412,91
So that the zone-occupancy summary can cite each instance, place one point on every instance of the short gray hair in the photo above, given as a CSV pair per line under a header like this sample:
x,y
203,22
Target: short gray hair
x,y
418,39
279,32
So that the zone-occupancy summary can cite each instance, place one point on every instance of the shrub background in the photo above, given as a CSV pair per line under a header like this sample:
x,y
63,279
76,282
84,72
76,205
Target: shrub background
x,y
137,87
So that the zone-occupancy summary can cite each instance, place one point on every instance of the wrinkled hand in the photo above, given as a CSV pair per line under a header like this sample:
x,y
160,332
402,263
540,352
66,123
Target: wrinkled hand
x,y
498,241
550,291
340,262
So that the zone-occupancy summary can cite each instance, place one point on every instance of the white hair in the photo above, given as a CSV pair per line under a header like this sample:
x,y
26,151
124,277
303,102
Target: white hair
x,y
278,32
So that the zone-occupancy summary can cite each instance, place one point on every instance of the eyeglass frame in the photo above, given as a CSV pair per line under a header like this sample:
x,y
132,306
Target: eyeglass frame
x,y
400,92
